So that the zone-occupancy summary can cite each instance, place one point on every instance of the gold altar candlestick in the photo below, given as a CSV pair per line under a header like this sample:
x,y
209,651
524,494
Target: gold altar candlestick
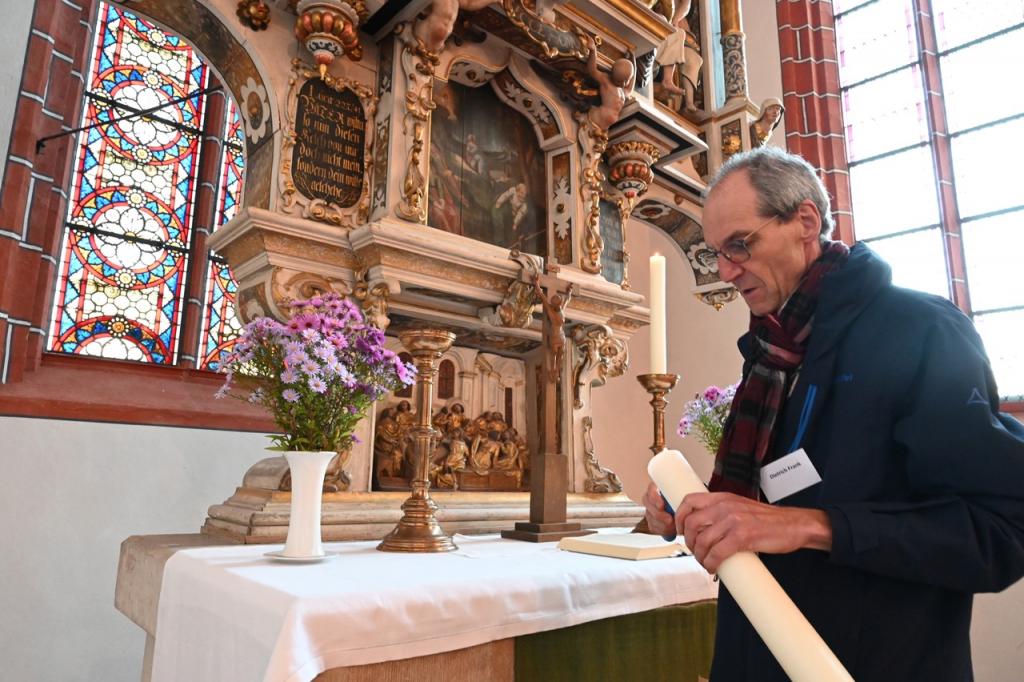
x,y
418,530
658,385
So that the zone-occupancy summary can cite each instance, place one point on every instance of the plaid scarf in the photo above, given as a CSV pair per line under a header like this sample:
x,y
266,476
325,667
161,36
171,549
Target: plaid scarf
x,y
778,343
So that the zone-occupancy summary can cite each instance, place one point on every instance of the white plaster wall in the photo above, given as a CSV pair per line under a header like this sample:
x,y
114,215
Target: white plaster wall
x,y
14,32
72,492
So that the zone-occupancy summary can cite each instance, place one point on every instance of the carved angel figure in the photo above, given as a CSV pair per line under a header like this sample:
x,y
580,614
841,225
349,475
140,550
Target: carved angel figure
x,y
680,49
615,88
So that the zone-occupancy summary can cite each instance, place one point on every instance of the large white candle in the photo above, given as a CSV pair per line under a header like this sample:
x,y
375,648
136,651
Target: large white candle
x,y
659,357
796,645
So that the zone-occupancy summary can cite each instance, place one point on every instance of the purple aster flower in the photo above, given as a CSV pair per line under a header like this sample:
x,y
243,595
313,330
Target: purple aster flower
x,y
317,385
324,352
316,302
310,334
289,376
310,367
291,395
294,347
296,359
712,394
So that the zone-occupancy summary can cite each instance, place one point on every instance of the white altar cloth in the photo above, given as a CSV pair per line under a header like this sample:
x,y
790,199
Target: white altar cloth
x,y
229,613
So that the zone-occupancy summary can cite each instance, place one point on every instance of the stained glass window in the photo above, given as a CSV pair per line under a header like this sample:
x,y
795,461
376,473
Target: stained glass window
x,y
125,259
220,324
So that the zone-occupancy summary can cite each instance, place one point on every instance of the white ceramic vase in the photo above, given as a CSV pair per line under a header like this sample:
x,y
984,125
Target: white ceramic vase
x,y
308,470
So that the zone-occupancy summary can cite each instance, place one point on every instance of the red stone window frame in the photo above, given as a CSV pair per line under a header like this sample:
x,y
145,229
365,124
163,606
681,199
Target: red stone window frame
x,y
814,121
33,203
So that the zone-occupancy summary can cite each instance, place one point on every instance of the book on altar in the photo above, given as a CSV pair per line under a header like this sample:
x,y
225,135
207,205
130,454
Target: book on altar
x,y
633,546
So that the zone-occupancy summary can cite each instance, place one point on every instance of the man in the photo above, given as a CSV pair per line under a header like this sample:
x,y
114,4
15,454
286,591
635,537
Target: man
x,y
890,394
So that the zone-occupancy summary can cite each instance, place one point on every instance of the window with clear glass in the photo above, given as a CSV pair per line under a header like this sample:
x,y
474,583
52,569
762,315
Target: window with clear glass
x,y
934,184
129,256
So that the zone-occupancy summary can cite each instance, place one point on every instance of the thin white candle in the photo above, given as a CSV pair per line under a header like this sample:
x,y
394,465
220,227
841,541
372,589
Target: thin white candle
x,y
659,355
796,645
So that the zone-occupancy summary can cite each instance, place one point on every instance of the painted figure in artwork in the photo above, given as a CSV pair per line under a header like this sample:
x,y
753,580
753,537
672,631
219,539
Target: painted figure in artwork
x,y
680,49
487,179
516,198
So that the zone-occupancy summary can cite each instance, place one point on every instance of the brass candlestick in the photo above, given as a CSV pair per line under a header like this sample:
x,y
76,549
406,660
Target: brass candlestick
x,y
658,385
418,530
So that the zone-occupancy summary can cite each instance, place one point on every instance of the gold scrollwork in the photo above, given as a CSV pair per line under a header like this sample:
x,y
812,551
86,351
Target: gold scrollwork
x,y
319,209
552,40
593,141
418,63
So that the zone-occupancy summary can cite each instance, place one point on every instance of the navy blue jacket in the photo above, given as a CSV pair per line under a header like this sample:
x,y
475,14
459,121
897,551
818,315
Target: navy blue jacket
x,y
922,479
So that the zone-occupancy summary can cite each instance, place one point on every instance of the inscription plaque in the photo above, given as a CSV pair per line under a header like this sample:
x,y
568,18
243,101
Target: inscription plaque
x,y
330,134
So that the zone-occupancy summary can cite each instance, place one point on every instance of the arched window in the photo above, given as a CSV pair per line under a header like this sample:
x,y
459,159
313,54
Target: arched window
x,y
446,380
133,258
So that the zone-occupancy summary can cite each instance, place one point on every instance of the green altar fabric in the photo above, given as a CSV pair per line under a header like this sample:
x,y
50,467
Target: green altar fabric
x,y
671,643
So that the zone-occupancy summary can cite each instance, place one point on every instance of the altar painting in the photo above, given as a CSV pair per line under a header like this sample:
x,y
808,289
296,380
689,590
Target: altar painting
x,y
486,170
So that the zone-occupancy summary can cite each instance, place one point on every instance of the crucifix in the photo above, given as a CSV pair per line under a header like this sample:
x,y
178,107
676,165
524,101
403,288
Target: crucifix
x,y
549,469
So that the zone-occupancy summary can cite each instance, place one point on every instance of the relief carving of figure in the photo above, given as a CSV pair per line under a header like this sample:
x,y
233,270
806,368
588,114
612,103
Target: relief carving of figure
x,y
615,88
387,445
771,116
484,452
680,49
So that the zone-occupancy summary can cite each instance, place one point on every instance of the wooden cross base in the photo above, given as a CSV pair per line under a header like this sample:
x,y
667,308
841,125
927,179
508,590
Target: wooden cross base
x,y
544,532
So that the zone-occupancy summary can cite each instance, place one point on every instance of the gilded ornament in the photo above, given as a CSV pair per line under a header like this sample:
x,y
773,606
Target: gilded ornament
x,y
254,13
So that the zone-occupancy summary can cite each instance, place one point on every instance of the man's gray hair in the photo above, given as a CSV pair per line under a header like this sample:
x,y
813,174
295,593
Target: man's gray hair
x,y
782,182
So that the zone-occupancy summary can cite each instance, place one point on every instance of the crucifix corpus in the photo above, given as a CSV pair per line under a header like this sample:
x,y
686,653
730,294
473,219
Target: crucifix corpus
x,y
549,469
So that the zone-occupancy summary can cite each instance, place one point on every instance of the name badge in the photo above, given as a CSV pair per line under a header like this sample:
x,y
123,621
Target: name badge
x,y
788,475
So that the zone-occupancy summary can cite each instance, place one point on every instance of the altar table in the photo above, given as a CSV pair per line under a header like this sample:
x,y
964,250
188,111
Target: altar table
x,y
229,613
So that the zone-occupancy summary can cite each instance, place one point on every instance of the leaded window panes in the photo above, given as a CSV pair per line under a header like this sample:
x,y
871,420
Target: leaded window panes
x,y
959,243
221,325
125,259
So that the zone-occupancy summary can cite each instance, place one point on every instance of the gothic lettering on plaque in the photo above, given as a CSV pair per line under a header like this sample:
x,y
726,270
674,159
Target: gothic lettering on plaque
x,y
330,134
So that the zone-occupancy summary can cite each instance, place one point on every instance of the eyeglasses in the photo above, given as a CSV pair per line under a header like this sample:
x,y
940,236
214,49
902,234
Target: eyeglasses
x,y
737,250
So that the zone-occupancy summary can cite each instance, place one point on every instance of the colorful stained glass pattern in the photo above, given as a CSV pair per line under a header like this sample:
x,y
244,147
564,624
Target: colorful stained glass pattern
x,y
232,166
221,325
124,261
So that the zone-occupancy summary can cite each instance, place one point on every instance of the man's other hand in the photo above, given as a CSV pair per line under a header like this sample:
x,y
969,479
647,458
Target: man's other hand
x,y
718,525
659,521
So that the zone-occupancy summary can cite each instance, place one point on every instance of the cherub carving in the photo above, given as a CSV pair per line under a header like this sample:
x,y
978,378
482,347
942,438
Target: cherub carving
x,y
438,25
615,88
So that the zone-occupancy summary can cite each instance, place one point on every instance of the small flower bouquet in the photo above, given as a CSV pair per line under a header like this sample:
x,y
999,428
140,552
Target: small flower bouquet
x,y
317,374
706,413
